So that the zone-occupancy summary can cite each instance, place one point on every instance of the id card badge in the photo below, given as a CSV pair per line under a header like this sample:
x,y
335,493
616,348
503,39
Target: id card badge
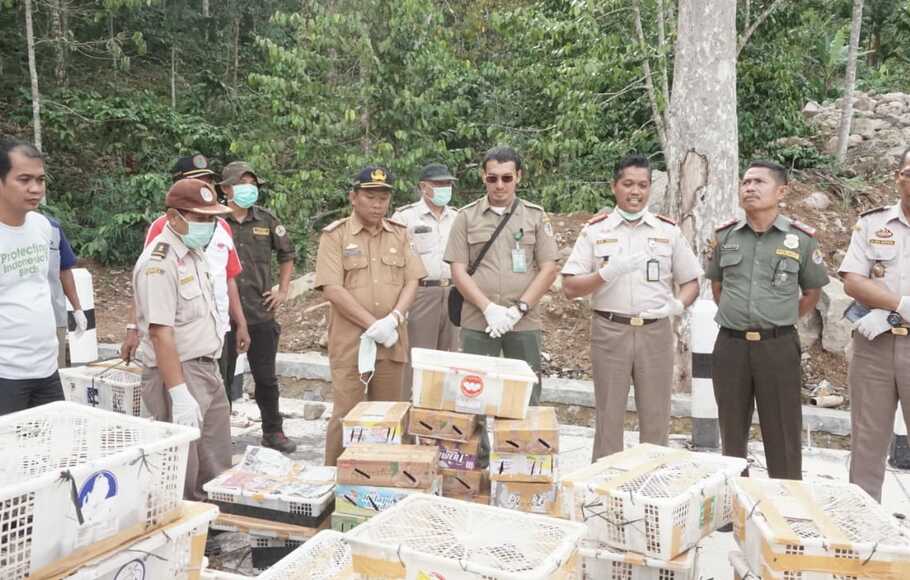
x,y
519,261
653,270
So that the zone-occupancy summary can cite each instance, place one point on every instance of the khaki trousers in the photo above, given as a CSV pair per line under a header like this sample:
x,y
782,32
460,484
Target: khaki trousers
x,y
347,391
210,455
879,377
61,348
642,355
428,327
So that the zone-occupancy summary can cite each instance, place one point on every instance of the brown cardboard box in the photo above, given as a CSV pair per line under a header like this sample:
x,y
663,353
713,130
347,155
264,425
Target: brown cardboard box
x,y
527,467
536,498
375,422
459,483
455,454
410,466
537,433
442,424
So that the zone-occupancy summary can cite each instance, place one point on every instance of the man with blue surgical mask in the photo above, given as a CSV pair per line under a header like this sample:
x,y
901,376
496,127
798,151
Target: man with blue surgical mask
x,y
429,221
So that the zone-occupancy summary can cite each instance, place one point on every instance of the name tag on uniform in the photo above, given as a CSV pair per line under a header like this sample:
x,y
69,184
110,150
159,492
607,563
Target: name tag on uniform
x,y
658,241
881,242
519,262
607,241
186,280
352,250
261,231
787,253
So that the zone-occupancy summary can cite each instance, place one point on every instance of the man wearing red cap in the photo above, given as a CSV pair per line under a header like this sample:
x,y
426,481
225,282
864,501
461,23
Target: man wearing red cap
x,y
179,325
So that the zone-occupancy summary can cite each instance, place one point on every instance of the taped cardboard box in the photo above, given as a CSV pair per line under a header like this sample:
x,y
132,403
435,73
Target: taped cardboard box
x,y
375,422
460,483
346,522
529,467
442,424
535,498
537,433
470,383
415,466
368,500
455,454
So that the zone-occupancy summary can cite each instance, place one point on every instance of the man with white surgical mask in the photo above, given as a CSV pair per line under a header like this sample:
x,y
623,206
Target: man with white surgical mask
x,y
429,221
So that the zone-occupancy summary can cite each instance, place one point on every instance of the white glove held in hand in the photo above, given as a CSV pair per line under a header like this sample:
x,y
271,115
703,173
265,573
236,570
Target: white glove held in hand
x,y
497,318
184,408
384,331
674,307
873,324
513,315
618,266
81,322
904,309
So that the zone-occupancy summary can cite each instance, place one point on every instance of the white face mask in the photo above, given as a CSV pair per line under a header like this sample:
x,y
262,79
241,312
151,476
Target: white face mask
x,y
630,217
366,358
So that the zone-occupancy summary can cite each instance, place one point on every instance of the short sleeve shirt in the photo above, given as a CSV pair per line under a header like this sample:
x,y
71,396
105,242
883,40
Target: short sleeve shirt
x,y
429,235
174,288
880,249
61,258
762,275
373,268
662,243
256,238
528,231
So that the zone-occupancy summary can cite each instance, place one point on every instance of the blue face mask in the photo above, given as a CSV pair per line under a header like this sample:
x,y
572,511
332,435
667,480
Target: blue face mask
x,y
198,234
245,195
442,195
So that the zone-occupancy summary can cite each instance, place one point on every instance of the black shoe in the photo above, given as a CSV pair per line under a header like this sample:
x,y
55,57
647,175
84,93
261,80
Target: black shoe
x,y
726,529
279,442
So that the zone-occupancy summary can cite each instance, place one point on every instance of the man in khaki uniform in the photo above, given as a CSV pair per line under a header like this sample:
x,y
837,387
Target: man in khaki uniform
x,y
180,331
500,314
369,272
876,272
429,221
630,261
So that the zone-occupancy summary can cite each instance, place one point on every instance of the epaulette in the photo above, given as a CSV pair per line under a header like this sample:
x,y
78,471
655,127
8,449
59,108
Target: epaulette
x,y
804,228
160,251
404,207
664,218
396,223
335,224
726,224
873,210
598,217
533,205
472,204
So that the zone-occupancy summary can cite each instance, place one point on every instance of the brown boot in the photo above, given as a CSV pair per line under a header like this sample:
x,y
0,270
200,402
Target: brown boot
x,y
278,441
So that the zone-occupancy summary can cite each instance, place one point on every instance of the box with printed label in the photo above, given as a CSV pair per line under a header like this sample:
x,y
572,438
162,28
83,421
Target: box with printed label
x,y
346,522
536,433
375,422
471,383
368,500
414,466
459,483
531,467
535,498
442,424
455,454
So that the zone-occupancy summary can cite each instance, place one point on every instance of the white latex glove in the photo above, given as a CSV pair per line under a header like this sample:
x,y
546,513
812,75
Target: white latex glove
x,y
873,324
384,331
81,322
184,408
497,319
513,315
674,307
619,266
904,308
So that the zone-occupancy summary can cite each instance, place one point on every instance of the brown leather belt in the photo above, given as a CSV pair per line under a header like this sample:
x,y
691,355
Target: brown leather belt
x,y
900,330
434,283
760,333
633,321
205,359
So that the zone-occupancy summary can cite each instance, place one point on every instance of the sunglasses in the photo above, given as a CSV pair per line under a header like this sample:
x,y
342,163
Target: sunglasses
x,y
905,174
503,178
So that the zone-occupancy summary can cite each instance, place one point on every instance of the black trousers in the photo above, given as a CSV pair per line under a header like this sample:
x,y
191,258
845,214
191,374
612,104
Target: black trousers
x,y
766,372
261,356
21,394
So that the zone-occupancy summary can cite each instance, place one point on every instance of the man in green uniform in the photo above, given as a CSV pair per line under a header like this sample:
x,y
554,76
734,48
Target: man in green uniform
x,y
766,272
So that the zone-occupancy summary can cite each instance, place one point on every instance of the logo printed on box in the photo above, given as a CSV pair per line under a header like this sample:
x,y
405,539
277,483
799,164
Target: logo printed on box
x,y
134,570
94,493
472,386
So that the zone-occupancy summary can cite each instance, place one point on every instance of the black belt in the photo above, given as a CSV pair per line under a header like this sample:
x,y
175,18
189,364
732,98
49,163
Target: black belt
x,y
205,359
445,283
633,321
760,334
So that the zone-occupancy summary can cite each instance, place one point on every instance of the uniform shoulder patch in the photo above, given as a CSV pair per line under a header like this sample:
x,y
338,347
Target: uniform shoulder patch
x,y
160,251
726,224
804,228
533,205
599,217
334,224
395,223
664,218
873,210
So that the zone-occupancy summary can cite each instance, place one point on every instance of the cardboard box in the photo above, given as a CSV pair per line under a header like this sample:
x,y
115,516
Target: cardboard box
x,y
528,467
414,466
461,483
375,422
536,498
455,454
368,500
442,424
537,433
471,383
345,522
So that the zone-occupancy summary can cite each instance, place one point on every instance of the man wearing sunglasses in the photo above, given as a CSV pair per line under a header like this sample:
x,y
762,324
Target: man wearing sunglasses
x,y
500,314
876,273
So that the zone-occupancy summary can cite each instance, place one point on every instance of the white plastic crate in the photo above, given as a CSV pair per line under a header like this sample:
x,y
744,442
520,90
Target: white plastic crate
x,y
741,569
653,500
105,387
424,536
818,530
173,552
72,476
324,557
601,562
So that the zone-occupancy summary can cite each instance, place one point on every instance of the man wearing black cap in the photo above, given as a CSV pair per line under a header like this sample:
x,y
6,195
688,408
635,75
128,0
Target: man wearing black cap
x,y
429,221
179,326
193,167
369,272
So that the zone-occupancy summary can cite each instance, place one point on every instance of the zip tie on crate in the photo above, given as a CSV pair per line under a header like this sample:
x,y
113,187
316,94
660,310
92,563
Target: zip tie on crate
x,y
603,515
146,554
65,475
872,553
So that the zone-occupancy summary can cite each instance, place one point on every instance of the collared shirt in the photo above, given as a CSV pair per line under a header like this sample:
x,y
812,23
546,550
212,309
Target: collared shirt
x,y
256,237
429,234
880,249
529,230
173,288
373,268
660,241
761,274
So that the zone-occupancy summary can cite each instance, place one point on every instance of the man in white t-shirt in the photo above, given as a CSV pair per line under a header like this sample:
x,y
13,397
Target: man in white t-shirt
x,y
28,339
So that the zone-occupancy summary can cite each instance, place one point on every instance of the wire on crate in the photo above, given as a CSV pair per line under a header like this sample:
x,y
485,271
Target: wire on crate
x,y
143,461
65,475
872,553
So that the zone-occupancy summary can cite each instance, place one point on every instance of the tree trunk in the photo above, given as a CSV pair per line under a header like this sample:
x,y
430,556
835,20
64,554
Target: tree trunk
x,y
846,112
236,48
703,145
33,74
59,35
205,8
174,78
656,111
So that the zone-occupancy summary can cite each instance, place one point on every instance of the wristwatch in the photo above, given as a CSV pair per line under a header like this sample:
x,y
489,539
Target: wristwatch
x,y
132,326
895,319
523,307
